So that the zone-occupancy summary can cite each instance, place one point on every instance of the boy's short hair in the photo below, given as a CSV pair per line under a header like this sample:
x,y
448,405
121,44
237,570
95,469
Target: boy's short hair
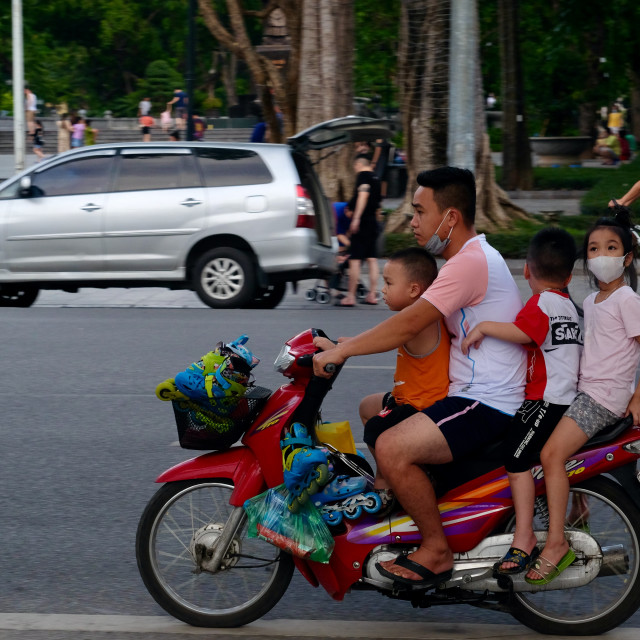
x,y
420,265
551,254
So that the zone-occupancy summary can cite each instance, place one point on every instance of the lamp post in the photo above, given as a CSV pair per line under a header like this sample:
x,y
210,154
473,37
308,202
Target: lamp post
x,y
18,84
191,55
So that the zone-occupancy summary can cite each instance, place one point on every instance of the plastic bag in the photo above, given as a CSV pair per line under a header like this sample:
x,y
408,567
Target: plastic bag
x,y
303,534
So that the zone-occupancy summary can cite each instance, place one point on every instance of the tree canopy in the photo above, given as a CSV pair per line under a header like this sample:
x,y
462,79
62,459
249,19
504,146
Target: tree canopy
x,y
576,56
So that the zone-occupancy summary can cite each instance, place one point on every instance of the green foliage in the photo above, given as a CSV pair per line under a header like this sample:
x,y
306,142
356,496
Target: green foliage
x,y
377,28
6,102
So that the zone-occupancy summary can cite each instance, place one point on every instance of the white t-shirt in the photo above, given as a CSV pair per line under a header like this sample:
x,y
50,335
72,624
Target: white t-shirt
x,y
611,352
31,102
472,286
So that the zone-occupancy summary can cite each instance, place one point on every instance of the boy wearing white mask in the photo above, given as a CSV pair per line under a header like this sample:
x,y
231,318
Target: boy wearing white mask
x,y
607,375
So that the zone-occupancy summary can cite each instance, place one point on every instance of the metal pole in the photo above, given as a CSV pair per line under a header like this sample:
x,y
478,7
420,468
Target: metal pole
x,y
463,47
191,54
18,85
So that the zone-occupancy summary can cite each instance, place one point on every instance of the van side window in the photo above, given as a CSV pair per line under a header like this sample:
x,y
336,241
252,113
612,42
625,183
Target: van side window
x,y
84,175
232,167
143,171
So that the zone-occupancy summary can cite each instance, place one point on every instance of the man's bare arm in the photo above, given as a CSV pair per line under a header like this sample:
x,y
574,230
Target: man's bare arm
x,y
387,335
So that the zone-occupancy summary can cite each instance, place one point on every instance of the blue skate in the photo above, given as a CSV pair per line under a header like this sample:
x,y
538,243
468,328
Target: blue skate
x,y
305,467
346,496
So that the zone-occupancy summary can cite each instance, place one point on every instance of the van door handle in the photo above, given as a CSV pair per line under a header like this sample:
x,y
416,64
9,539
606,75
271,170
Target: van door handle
x,y
90,207
190,202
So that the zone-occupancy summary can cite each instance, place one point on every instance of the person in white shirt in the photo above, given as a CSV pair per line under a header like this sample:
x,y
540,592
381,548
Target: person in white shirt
x,y
485,390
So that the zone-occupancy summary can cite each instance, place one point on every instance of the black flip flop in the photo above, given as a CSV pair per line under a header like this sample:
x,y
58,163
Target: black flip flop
x,y
429,579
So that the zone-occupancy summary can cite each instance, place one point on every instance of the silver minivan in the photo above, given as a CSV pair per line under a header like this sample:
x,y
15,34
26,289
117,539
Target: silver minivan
x,y
233,221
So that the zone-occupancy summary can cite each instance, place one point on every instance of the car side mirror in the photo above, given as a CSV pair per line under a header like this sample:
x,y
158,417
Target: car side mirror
x,y
26,189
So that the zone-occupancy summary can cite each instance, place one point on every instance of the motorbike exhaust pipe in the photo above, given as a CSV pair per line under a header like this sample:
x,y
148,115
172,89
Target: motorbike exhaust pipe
x,y
615,561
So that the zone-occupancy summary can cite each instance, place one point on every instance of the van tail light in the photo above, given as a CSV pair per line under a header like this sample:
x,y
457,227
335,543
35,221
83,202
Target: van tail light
x,y
304,209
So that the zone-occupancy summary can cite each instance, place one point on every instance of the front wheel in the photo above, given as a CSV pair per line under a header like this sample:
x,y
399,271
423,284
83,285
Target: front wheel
x,y
224,278
601,507
183,522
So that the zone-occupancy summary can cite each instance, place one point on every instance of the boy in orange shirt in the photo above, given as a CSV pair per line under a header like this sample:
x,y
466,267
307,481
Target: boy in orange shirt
x,y
422,364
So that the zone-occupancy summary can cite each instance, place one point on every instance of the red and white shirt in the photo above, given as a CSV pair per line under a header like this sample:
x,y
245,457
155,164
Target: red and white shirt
x,y
553,357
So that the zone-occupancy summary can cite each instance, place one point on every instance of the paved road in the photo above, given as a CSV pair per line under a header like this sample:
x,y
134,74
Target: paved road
x,y
83,439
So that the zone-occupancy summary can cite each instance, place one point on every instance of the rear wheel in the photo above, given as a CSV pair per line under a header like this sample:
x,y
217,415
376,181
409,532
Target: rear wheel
x,y
12,295
608,600
224,278
177,533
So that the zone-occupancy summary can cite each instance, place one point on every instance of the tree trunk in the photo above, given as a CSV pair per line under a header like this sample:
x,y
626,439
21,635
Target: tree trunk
x,y
423,80
325,82
516,152
634,109
423,96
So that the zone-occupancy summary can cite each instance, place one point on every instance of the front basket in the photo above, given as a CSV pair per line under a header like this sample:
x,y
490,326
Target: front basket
x,y
218,424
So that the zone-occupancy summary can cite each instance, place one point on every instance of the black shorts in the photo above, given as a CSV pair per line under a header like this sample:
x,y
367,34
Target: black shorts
x,y
364,245
391,415
466,424
532,425
145,130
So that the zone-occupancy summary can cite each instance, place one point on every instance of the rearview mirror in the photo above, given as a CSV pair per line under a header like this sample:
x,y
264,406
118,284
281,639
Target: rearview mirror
x,y
25,187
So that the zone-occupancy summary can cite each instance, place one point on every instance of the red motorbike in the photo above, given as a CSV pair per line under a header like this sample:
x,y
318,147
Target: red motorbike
x,y
199,564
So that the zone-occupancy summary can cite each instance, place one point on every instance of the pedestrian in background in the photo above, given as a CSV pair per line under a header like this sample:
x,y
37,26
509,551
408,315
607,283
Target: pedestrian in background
x,y
146,124
64,133
77,136
30,109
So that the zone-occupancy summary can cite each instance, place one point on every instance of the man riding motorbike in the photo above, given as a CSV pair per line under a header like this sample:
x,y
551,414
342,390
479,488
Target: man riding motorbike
x,y
474,285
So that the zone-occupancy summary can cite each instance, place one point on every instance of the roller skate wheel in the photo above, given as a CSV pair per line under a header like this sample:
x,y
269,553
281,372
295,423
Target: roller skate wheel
x,y
167,390
373,503
323,298
310,294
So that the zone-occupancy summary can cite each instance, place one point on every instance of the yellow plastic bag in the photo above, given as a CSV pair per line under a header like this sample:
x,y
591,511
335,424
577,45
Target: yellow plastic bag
x,y
303,534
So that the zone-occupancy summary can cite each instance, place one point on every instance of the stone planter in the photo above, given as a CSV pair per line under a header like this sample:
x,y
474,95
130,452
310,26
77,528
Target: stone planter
x,y
560,150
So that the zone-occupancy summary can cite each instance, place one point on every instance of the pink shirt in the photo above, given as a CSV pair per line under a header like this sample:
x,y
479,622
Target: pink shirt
x,y
611,352
472,286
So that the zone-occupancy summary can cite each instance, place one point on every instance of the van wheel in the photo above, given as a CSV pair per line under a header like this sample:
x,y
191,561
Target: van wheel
x,y
224,278
17,295
268,298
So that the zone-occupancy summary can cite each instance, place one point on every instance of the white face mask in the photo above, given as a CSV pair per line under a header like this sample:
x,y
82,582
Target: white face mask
x,y
434,245
606,268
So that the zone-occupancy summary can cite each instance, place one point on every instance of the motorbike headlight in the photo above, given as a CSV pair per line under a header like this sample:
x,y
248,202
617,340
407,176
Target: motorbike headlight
x,y
632,447
284,359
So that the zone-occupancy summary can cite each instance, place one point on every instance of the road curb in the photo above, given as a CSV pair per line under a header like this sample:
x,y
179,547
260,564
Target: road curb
x,y
281,628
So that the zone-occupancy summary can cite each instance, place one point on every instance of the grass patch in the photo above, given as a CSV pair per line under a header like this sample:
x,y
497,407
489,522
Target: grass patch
x,y
614,184
558,178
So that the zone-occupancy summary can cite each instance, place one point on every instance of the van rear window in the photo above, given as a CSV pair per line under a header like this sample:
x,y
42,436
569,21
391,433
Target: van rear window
x,y
232,167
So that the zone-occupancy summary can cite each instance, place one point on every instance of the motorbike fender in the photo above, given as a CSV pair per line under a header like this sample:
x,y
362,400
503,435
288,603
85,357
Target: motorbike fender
x,y
238,464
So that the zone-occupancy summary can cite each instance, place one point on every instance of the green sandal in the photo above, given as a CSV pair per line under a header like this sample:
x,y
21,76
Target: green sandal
x,y
550,571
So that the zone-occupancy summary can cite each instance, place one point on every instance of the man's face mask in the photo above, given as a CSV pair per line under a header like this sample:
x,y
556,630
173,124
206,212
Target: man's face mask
x,y
434,245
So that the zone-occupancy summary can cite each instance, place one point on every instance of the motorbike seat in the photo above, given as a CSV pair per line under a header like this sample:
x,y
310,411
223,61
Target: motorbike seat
x,y
610,433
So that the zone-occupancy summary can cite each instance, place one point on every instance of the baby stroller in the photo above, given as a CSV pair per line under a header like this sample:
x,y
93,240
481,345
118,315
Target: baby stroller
x,y
339,281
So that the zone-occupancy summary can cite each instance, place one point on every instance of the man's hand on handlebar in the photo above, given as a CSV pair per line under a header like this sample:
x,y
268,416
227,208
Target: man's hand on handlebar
x,y
328,355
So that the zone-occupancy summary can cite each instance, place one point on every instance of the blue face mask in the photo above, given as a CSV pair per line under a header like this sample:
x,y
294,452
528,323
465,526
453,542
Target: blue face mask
x,y
434,245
